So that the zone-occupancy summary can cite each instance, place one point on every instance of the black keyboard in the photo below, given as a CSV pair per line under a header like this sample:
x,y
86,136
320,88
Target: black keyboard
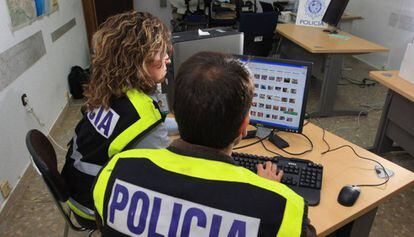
x,y
302,176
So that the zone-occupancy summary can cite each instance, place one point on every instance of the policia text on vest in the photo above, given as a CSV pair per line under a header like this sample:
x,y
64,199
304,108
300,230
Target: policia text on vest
x,y
162,193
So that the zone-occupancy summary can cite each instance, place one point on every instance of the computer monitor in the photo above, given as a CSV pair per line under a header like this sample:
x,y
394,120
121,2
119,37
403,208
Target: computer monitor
x,y
333,14
280,94
188,43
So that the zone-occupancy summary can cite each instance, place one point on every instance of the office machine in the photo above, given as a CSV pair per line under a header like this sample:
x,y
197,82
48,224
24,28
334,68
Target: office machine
x,y
280,95
333,14
302,176
186,44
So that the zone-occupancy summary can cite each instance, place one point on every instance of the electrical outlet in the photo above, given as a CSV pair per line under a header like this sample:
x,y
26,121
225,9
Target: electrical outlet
x,y
24,99
5,188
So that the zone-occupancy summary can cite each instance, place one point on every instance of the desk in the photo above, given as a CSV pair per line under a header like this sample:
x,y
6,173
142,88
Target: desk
x,y
326,52
341,168
345,17
347,22
396,124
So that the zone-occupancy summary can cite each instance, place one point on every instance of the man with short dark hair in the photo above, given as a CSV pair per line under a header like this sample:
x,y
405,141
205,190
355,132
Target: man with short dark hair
x,y
194,187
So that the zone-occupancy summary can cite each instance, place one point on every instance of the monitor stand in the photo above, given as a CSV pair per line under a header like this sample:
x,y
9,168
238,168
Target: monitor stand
x,y
273,137
331,30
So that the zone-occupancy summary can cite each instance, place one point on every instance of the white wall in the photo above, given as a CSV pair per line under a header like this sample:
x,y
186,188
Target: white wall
x,y
44,82
378,27
153,7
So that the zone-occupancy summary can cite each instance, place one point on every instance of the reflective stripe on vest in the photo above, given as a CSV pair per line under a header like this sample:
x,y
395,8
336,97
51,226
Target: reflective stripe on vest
x,y
210,170
82,166
81,210
149,115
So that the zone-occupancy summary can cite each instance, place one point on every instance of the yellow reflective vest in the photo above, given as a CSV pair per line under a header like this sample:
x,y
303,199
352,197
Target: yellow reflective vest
x,y
100,135
162,193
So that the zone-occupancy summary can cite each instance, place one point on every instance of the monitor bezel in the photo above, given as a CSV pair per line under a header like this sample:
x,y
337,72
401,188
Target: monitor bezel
x,y
338,17
305,95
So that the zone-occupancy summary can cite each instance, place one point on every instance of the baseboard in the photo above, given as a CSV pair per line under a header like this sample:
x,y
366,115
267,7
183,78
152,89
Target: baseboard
x,y
365,61
16,192
64,107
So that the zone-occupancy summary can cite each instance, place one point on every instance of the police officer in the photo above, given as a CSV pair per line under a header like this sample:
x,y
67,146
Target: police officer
x,y
193,187
130,56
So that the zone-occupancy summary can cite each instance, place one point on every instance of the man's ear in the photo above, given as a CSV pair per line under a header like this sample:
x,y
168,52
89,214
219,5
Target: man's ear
x,y
243,126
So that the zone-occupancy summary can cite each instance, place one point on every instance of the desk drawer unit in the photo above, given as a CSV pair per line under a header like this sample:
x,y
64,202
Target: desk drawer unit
x,y
401,122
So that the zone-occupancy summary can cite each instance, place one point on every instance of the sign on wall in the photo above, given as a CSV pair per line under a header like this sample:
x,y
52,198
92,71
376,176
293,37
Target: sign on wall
x,y
23,12
310,12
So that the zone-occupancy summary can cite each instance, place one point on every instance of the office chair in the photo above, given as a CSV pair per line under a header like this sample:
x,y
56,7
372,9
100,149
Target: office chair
x,y
44,161
215,9
190,20
266,7
258,29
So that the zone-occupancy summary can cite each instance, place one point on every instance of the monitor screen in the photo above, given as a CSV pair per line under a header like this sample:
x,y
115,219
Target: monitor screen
x,y
280,92
334,12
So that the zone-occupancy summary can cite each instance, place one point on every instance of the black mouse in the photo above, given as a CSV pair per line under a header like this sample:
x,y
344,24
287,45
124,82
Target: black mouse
x,y
348,195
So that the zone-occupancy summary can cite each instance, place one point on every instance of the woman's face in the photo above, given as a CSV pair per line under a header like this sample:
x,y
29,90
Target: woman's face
x,y
158,68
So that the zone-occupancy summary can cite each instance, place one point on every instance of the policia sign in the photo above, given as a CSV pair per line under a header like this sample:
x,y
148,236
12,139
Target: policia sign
x,y
164,192
310,12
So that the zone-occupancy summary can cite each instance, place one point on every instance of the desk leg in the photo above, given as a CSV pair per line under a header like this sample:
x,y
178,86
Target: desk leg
x,y
357,228
382,143
333,67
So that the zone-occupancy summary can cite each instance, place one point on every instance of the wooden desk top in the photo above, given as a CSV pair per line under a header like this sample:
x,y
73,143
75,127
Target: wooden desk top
x,y
341,167
345,17
315,40
394,82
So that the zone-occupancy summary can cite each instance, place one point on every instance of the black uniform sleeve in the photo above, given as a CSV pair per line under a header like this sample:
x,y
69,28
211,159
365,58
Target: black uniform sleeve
x,y
308,230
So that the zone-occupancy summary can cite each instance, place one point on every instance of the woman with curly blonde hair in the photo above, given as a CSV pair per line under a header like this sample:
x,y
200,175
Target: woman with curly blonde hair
x,y
130,57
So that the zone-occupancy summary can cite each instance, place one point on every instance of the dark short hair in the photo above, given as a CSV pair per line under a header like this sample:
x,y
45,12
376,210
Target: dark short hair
x,y
213,94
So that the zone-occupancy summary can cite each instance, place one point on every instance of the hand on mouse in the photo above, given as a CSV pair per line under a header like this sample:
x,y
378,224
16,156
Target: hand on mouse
x,y
269,171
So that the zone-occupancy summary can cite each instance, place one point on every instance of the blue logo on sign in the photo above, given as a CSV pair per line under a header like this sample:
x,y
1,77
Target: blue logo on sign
x,y
315,8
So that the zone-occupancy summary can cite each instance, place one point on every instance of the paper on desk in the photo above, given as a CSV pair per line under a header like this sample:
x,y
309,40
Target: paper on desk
x,y
407,65
338,36
202,33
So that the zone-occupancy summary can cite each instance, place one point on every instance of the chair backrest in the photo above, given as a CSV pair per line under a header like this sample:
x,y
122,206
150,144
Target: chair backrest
x,y
258,24
44,158
266,7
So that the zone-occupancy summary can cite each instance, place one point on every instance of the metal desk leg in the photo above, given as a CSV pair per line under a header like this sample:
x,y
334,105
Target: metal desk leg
x,y
333,67
357,228
382,143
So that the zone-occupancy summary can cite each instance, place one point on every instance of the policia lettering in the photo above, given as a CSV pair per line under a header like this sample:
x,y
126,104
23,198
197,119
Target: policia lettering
x,y
134,195
134,205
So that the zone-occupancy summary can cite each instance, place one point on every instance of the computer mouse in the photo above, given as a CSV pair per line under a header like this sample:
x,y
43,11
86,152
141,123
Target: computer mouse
x,y
348,195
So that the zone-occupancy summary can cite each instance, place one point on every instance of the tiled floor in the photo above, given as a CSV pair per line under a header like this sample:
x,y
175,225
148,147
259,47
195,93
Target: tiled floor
x,y
32,212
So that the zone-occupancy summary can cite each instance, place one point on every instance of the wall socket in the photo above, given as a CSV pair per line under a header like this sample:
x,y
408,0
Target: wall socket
x,y
5,188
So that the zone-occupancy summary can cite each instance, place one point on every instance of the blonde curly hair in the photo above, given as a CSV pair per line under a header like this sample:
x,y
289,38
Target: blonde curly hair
x,y
124,45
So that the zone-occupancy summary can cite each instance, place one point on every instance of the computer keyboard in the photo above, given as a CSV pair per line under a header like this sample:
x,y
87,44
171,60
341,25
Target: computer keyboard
x,y
302,176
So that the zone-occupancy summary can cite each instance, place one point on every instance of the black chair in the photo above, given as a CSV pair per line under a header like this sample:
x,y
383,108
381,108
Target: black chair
x,y
258,29
266,7
215,8
44,160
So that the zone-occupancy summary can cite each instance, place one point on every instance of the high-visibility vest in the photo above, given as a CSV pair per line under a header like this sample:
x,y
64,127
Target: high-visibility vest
x,y
148,192
100,135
